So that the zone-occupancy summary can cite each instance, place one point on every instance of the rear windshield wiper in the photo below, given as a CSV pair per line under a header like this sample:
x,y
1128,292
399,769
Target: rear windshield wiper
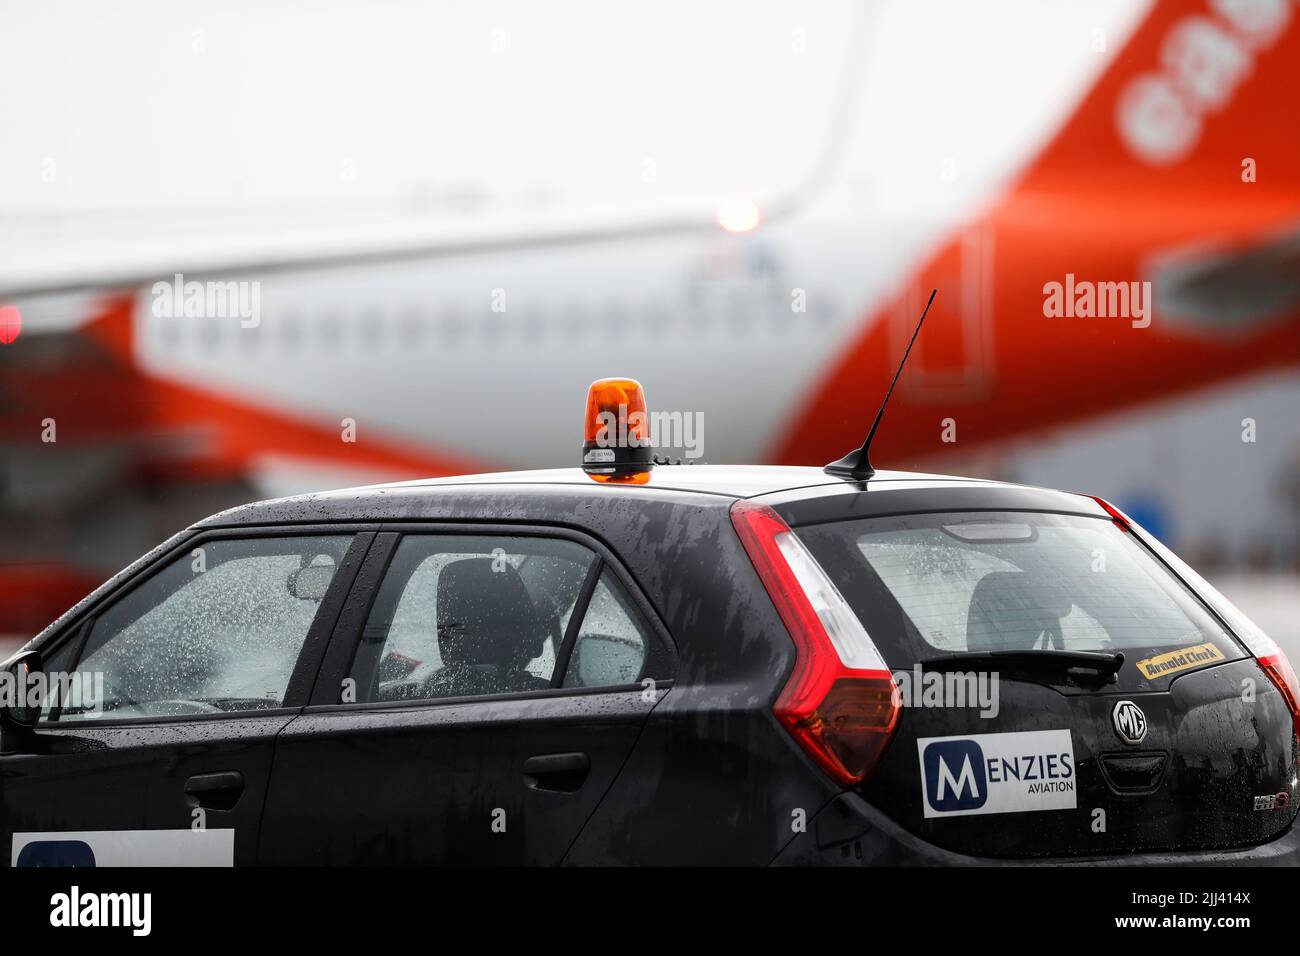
x,y
1102,662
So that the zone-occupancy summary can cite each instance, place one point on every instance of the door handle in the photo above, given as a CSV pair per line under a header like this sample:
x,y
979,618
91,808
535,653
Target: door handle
x,y
216,791
564,773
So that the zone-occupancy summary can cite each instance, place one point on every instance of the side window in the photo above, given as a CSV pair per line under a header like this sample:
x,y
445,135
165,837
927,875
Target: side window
x,y
611,645
217,630
469,615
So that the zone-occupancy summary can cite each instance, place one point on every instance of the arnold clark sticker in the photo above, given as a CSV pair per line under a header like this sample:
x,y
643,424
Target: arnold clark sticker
x,y
1174,662
997,773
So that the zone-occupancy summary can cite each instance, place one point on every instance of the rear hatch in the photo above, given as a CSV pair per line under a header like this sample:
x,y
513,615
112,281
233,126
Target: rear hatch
x,y
1063,691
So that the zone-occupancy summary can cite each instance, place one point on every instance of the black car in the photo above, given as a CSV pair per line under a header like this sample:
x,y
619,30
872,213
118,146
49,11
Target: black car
x,y
722,665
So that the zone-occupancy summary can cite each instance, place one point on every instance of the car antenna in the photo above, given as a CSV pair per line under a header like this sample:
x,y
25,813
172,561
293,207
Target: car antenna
x,y
856,464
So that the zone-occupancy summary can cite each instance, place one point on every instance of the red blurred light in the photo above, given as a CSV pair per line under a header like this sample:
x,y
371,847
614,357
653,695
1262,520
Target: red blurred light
x,y
11,324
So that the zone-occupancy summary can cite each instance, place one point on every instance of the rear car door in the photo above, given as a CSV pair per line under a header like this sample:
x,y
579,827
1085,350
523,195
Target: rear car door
x,y
157,749
1064,692
482,691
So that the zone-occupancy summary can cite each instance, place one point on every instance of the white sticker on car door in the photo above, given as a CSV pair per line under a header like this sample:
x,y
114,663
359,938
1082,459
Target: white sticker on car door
x,y
124,848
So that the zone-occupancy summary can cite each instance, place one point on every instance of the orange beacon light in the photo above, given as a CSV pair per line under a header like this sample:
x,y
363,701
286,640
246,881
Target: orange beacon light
x,y
616,443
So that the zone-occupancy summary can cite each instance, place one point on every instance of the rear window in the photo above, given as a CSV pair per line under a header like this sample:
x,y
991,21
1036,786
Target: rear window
x,y
929,585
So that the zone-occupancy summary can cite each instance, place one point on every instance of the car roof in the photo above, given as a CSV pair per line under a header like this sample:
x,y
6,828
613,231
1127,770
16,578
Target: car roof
x,y
732,481
729,482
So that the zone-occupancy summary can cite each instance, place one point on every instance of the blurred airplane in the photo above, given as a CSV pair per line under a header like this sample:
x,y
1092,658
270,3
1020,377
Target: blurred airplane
x,y
778,319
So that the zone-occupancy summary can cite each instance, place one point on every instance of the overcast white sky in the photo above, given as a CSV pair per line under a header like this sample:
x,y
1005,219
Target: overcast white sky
x,y
164,105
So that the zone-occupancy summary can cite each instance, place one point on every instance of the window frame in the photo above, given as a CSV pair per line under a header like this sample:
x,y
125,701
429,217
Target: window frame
x,y
310,655
595,576
661,651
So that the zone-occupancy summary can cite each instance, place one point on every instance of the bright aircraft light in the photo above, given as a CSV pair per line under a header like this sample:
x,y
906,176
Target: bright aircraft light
x,y
739,215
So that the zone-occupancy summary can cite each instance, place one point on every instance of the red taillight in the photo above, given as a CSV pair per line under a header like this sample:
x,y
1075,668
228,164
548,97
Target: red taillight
x,y
1119,517
1280,672
841,703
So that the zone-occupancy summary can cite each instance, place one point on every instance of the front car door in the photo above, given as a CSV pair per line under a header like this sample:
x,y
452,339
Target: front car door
x,y
483,689
185,673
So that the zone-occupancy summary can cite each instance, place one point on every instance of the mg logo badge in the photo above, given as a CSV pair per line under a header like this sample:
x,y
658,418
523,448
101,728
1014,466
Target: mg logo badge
x,y
1130,722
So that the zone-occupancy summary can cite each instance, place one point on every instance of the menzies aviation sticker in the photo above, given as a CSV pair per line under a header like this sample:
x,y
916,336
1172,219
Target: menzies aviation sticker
x,y
181,847
997,773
